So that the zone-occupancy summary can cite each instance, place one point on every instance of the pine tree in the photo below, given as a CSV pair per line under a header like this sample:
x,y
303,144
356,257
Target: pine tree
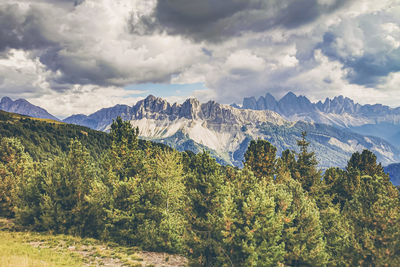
x,y
124,160
374,215
163,226
15,167
66,183
123,167
250,225
302,234
348,182
365,163
204,187
260,157
306,166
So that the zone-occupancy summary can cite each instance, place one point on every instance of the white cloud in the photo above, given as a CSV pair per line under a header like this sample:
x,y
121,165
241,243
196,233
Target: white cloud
x,y
22,76
85,99
92,52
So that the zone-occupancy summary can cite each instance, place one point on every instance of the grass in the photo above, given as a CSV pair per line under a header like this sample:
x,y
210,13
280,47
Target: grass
x,y
14,251
26,248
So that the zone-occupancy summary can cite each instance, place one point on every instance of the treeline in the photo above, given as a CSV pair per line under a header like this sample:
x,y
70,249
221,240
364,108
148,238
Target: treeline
x,y
276,211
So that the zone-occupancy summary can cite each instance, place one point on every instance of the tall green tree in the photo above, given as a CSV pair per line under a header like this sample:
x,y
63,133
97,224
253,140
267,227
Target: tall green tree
x,y
260,157
373,213
204,185
365,163
251,223
306,165
302,231
162,224
125,159
15,166
66,183
123,171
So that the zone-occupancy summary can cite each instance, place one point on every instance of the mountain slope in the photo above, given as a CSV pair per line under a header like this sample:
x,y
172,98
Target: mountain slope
x,y
226,131
23,107
394,172
100,119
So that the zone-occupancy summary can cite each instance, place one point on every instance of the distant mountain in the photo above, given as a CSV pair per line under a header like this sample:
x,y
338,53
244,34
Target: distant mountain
x,y
101,119
226,131
394,172
340,111
23,107
378,120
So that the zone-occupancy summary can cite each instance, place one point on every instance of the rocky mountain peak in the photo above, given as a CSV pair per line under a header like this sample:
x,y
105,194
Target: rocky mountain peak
x,y
190,108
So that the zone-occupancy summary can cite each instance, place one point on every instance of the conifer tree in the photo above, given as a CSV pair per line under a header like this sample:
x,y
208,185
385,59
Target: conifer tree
x,y
66,183
302,234
260,157
204,187
124,160
123,168
306,165
373,213
250,225
15,166
163,224
366,164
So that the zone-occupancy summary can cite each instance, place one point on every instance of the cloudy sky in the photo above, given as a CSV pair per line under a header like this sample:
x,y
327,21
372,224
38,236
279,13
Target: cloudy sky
x,y
76,56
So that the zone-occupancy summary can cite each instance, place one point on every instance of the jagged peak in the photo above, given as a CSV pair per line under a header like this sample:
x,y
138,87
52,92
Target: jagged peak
x,y
152,98
192,101
290,96
269,96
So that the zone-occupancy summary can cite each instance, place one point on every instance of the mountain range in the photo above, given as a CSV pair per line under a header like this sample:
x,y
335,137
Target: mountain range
x,y
226,130
377,120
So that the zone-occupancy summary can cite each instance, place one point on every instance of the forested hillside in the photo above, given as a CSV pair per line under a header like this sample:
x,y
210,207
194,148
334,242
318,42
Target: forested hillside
x,y
276,211
44,138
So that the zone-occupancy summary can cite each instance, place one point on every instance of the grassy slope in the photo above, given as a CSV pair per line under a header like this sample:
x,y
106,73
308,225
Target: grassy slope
x,y
23,248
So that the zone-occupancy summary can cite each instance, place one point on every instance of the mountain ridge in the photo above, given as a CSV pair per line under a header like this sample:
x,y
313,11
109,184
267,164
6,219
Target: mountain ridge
x,y
293,107
225,130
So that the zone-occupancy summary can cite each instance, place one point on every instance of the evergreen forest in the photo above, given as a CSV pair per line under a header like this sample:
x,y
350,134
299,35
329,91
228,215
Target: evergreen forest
x,y
275,211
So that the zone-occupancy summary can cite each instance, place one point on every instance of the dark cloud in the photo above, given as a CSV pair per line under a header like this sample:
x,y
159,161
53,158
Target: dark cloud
x,y
76,70
367,69
21,30
215,20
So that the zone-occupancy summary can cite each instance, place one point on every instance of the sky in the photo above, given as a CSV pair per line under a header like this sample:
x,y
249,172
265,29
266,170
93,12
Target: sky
x,y
77,56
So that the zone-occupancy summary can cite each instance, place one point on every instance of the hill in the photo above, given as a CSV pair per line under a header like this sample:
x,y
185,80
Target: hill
x,y
43,138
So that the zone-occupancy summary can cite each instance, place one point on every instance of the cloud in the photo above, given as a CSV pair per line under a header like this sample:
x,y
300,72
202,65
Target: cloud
x,y
371,50
61,50
22,75
85,99
21,28
213,20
